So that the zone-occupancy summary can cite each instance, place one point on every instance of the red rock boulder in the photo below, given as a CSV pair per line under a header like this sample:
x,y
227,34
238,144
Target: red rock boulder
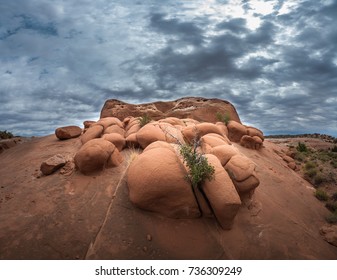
x,y
236,131
94,131
97,154
150,133
221,194
116,139
68,132
52,164
242,172
157,183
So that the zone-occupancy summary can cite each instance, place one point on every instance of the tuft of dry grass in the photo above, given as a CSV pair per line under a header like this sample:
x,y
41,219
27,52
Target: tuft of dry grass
x,y
133,154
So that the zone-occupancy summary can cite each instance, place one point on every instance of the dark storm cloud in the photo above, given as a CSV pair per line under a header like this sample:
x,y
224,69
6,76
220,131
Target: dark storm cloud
x,y
186,31
217,59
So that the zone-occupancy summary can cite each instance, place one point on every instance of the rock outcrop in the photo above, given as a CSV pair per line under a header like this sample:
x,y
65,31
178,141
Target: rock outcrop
x,y
247,136
157,177
197,108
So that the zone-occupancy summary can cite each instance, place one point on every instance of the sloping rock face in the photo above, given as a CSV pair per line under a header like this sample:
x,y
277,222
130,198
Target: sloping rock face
x,y
197,108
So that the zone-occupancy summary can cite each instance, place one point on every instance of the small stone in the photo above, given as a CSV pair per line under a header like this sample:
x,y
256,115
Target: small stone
x,y
148,237
52,164
329,234
292,165
144,248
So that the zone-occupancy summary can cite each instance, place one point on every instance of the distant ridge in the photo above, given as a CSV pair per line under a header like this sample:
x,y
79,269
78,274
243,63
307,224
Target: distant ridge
x,y
324,137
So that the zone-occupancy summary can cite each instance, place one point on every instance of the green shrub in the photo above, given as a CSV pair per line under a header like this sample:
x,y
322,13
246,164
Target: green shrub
x,y
299,157
4,134
311,173
144,120
334,149
309,165
301,147
332,206
225,118
323,156
321,195
332,218
319,179
199,168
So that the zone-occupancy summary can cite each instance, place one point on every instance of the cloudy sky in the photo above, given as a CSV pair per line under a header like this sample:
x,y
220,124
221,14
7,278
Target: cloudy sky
x,y
276,60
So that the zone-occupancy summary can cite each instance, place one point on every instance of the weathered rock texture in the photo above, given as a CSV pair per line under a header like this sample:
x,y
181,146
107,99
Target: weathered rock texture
x,y
197,108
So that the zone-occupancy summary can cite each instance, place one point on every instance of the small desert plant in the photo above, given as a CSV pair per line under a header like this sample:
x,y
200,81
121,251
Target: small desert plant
x,y
319,179
332,218
199,168
332,206
300,157
334,149
321,195
134,153
309,165
301,147
225,118
4,134
311,173
145,119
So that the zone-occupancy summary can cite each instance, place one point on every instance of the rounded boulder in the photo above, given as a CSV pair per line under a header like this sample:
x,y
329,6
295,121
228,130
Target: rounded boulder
x,y
68,132
95,155
157,183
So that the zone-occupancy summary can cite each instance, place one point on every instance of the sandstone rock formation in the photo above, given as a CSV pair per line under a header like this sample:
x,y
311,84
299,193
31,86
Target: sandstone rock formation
x,y
9,143
247,136
97,154
127,206
68,132
221,194
157,182
197,108
157,178
242,172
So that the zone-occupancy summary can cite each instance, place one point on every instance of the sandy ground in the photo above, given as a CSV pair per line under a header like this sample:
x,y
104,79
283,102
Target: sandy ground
x,y
71,216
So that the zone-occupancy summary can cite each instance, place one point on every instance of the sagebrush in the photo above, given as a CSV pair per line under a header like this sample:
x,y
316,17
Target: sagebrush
x,y
199,168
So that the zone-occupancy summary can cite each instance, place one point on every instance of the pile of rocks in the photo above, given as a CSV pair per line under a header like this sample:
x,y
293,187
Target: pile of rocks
x,y
157,177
